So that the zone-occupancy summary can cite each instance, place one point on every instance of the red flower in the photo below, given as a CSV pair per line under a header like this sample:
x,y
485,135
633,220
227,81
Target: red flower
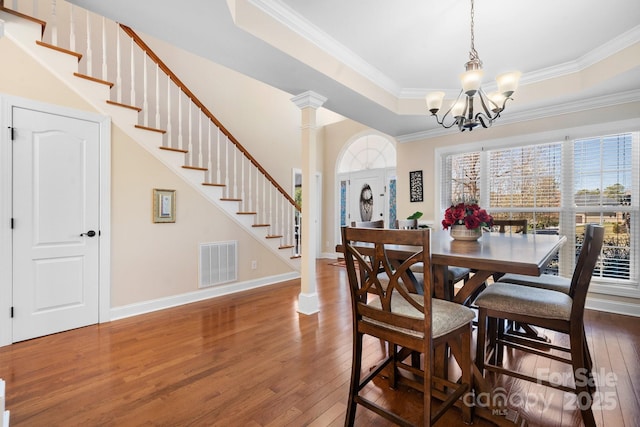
x,y
471,215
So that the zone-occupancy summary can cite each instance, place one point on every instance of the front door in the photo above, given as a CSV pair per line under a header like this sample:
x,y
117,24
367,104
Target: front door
x,y
56,216
367,196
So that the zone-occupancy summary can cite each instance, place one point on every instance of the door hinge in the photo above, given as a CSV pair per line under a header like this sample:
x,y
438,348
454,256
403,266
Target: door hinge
x,y
12,312
13,133
12,222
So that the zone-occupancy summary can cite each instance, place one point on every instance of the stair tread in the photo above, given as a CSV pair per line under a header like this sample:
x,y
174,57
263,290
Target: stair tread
x,y
177,150
213,184
118,104
151,129
59,49
226,199
246,213
93,79
40,22
261,225
273,236
195,168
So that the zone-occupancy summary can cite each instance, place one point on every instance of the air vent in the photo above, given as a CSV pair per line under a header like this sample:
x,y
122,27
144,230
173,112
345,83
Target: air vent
x,y
218,263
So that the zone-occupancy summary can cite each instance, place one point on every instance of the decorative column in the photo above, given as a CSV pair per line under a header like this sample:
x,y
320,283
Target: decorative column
x,y
309,102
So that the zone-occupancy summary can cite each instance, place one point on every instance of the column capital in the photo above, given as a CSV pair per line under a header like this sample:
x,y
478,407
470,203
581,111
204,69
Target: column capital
x,y
309,99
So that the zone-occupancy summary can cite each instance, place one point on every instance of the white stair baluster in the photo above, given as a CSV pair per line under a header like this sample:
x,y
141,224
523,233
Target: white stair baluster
x,y
145,96
250,168
72,29
54,23
218,158
104,49
226,167
190,125
158,97
209,151
200,145
169,130
118,68
89,50
180,140
133,75
235,172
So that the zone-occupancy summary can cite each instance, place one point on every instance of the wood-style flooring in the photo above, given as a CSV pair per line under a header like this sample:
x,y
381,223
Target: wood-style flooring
x,y
251,360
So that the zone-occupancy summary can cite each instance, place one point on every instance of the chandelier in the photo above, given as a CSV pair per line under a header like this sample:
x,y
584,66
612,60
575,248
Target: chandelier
x,y
473,106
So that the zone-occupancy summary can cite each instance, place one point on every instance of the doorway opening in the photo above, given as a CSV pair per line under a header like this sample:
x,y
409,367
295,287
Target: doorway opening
x,y
367,181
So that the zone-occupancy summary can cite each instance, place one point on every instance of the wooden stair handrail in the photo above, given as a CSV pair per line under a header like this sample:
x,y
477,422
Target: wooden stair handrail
x,y
204,109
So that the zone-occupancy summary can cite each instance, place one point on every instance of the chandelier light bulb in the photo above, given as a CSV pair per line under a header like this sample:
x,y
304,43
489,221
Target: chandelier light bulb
x,y
434,101
508,82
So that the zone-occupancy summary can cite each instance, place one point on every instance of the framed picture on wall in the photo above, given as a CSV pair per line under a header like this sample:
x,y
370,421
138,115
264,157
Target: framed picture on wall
x,y
415,186
164,205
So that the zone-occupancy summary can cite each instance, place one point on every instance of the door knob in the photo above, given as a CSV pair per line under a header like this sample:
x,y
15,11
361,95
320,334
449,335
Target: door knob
x,y
89,233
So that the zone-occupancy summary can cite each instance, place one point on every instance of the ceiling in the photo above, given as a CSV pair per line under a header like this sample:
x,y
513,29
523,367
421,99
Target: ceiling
x,y
374,60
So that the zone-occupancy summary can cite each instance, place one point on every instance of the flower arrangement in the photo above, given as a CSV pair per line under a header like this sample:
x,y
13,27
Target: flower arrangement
x,y
469,214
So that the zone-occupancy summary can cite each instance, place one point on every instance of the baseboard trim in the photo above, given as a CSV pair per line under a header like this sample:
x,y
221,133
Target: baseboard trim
x,y
200,295
617,307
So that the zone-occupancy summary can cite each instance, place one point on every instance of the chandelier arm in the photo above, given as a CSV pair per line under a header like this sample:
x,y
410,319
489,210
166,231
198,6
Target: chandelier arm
x,y
448,112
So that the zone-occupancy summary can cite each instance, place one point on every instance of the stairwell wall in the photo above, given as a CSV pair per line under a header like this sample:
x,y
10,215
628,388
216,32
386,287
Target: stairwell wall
x,y
148,261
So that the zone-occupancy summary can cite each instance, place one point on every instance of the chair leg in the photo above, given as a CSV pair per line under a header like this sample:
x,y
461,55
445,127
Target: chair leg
x,y
578,358
467,374
499,348
481,339
356,367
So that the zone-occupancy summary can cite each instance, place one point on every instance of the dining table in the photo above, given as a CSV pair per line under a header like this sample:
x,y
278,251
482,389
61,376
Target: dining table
x,y
492,253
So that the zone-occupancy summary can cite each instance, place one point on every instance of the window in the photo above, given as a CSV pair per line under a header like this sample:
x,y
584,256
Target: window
x,y
559,187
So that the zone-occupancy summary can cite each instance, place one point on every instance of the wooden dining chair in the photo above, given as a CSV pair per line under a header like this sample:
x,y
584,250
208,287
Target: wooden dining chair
x,y
545,308
455,274
379,223
411,322
513,225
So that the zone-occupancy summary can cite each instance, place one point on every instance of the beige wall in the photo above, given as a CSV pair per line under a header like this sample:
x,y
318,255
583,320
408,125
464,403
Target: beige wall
x,y
148,260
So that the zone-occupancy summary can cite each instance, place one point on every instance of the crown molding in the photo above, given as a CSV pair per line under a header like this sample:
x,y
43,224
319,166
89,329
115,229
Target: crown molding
x,y
286,16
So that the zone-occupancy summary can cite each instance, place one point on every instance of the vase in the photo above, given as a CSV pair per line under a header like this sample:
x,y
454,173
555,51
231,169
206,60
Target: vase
x,y
461,232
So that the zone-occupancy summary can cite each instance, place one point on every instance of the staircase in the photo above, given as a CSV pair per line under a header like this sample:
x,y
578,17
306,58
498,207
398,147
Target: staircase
x,y
112,68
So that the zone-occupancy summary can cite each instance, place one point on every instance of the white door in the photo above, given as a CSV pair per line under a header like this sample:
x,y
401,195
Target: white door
x,y
56,217
367,199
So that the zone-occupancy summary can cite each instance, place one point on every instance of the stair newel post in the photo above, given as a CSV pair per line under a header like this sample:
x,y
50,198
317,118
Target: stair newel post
x,y
72,28
133,74
118,68
54,23
89,48
104,49
158,125
169,130
145,91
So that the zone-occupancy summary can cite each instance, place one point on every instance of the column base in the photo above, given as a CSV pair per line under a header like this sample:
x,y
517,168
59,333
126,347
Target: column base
x,y
308,303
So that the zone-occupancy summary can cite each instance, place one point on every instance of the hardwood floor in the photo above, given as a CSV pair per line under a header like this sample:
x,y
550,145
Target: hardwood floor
x,y
251,360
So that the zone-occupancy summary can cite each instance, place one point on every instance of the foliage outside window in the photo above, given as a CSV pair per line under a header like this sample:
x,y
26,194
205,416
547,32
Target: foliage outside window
x,y
559,187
